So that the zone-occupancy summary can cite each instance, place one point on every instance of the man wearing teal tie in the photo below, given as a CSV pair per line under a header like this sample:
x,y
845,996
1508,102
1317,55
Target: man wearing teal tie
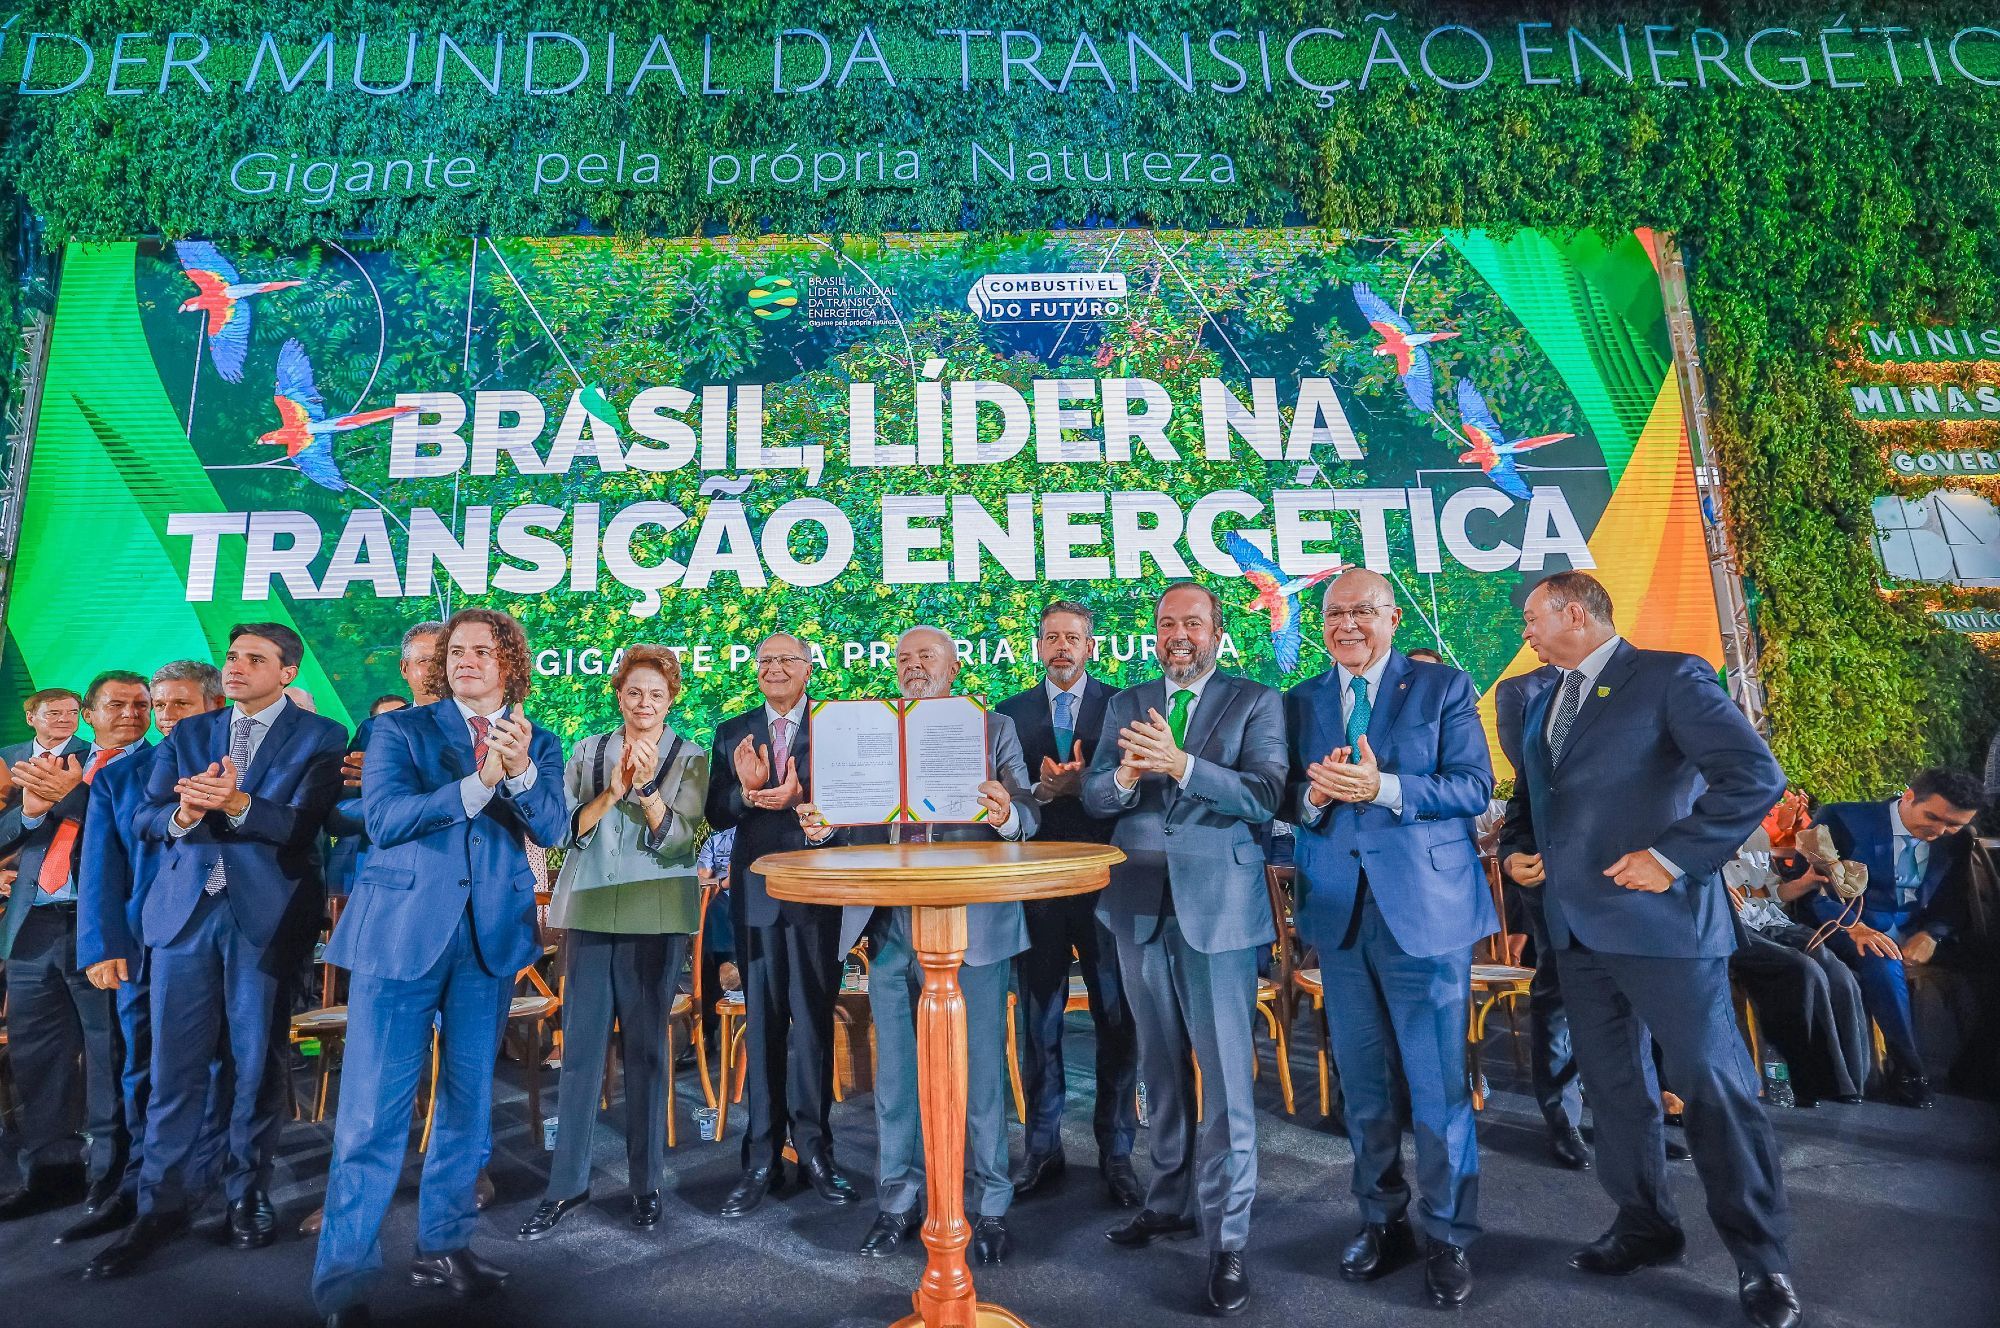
x,y
1190,764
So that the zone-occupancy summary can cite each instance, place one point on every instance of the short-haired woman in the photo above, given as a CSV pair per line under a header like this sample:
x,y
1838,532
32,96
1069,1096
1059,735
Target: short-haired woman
x,y
628,897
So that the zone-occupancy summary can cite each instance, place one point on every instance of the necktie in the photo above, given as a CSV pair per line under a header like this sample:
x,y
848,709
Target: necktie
x,y
1177,716
1065,725
1909,876
781,748
239,752
1566,706
480,724
56,864
1357,720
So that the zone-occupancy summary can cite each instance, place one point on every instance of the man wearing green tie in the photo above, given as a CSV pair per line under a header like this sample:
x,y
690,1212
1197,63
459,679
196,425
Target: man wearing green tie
x,y
1189,764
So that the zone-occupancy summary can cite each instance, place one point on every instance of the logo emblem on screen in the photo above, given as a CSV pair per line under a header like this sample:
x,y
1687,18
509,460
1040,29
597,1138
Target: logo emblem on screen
x,y
772,298
1047,297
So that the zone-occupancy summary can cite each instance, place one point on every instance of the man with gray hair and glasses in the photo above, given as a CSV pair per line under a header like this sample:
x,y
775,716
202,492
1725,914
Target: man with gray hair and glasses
x,y
926,666
788,953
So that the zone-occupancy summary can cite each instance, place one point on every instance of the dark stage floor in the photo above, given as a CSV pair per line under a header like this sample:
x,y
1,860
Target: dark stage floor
x,y
1897,1215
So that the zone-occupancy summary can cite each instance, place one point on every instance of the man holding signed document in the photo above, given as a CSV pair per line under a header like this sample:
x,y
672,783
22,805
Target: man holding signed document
x,y
956,770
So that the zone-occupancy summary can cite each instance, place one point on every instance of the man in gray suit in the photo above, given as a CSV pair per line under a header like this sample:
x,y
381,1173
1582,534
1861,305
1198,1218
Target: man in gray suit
x,y
1188,764
926,665
1639,780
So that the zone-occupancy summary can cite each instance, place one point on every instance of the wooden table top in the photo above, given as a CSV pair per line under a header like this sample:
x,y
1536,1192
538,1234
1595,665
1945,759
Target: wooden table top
x,y
937,874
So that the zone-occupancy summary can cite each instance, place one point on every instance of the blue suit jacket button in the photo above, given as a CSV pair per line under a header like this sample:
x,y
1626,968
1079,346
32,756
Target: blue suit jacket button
x,y
475,839
465,882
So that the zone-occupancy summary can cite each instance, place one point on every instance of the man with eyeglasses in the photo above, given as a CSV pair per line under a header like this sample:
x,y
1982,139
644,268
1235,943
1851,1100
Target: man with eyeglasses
x,y
1388,769
788,953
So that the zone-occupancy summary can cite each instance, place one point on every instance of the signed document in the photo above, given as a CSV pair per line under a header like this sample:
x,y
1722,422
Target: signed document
x,y
878,761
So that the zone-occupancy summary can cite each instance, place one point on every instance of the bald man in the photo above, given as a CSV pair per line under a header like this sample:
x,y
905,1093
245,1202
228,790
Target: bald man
x,y
1388,769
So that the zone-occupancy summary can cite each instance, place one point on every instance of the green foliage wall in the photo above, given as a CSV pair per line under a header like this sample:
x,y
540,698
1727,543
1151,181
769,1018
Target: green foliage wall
x,y
1803,214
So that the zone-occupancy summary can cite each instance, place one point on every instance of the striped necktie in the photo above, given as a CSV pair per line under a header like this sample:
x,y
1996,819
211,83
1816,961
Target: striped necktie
x,y
239,752
1568,701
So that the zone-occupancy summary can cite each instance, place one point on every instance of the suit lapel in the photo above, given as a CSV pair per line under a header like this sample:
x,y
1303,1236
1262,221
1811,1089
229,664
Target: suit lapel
x,y
1598,699
457,739
1216,698
283,729
1534,736
1038,735
1388,702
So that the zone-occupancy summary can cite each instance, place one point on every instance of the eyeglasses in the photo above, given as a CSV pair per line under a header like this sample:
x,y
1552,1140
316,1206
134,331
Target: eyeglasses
x,y
1361,615
786,660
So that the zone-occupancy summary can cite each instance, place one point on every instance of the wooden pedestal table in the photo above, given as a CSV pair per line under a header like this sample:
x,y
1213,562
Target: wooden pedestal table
x,y
936,882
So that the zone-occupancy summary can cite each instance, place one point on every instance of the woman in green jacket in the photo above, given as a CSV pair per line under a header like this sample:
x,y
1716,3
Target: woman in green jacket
x,y
628,897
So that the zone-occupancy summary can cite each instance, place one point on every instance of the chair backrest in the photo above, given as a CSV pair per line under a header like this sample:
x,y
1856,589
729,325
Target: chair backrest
x,y
1500,949
708,894
1285,950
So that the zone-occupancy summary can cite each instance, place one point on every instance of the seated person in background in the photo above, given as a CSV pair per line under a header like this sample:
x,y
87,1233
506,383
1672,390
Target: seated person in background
x,y
382,703
1916,848
1807,1001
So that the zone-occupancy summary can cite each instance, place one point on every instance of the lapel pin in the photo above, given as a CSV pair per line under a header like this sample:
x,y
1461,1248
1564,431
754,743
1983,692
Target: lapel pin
x,y
1402,687
1603,692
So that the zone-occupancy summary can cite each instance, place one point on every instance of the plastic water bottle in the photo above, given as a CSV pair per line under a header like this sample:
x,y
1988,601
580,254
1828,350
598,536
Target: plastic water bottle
x,y
1778,1085
1142,1104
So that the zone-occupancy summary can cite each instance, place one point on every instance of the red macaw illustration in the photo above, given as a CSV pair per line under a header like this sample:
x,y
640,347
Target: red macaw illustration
x,y
222,298
1276,596
1490,450
307,434
1404,344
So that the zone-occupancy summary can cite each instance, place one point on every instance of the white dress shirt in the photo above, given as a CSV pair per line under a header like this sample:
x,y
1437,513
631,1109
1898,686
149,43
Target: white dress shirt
x,y
475,792
260,728
1900,841
1390,795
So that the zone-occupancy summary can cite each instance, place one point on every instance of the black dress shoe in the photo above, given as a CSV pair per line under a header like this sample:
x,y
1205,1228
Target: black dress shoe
x,y
1038,1171
1677,1151
1769,1300
483,1192
751,1189
1123,1183
990,1241
114,1214
460,1272
103,1190
1617,1253
1447,1275
1378,1249
1910,1090
889,1231
351,1316
827,1180
547,1213
1849,1099
141,1240
253,1223
1148,1227
1228,1283
646,1210
48,1189
1566,1146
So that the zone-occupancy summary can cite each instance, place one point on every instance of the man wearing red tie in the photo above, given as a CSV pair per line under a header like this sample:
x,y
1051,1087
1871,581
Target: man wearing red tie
x,y
54,1011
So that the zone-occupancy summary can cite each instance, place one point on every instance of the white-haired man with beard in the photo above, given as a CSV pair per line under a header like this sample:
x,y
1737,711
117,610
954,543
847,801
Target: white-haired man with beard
x,y
926,666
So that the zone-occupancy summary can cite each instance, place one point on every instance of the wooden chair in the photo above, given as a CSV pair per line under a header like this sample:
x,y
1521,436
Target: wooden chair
x,y
1494,980
853,1029
687,1010
325,1024
528,1015
1277,994
1305,981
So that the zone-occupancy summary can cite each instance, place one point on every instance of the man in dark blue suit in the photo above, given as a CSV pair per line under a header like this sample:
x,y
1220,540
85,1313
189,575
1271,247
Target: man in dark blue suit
x,y
1388,769
235,801
63,1031
1640,780
117,867
345,822
442,918
1916,848
1552,1064
1059,721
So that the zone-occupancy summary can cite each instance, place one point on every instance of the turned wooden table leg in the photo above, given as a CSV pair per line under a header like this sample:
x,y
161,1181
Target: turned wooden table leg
x,y
944,1299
